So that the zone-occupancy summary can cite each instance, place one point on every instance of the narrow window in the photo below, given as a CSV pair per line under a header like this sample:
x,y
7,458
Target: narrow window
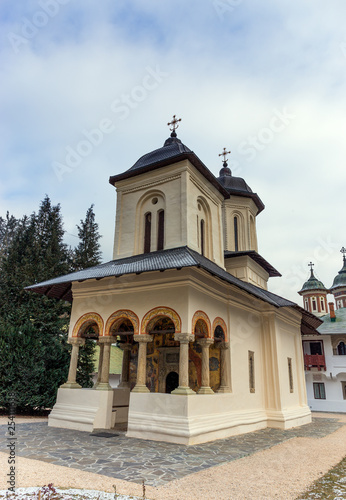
x,y
251,371
147,232
314,305
160,229
342,349
306,304
290,375
343,384
236,241
319,390
202,237
322,304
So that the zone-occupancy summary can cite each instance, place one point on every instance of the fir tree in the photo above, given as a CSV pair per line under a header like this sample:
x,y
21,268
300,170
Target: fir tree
x,y
34,328
88,251
87,254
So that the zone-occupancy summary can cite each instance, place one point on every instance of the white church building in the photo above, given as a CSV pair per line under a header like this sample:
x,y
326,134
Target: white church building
x,y
209,352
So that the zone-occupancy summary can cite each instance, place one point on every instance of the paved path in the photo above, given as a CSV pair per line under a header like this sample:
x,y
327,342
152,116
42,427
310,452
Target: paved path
x,y
135,459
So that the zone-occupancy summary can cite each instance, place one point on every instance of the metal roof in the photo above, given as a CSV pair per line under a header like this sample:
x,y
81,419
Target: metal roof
x,y
237,186
171,152
333,327
257,258
175,258
313,284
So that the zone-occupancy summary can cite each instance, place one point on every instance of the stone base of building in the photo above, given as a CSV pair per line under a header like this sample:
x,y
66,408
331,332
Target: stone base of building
x,y
288,418
83,410
197,419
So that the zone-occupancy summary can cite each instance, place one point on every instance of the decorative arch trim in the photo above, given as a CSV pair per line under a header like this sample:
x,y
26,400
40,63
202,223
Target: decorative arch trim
x,y
203,316
87,320
220,322
161,311
120,315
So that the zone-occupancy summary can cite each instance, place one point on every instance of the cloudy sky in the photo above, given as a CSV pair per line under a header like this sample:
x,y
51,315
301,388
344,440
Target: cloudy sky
x,y
87,87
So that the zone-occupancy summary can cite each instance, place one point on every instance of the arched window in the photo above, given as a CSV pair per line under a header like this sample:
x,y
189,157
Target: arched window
x,y
147,232
314,305
160,229
342,348
322,304
202,237
236,235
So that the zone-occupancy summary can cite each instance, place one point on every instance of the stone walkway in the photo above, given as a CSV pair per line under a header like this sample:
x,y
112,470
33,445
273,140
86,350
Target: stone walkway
x,y
136,460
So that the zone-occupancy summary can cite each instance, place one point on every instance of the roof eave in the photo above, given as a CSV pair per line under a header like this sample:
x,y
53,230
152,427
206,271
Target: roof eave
x,y
196,162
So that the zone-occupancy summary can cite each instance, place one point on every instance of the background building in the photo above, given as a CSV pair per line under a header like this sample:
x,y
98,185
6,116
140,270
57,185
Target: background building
x,y
325,353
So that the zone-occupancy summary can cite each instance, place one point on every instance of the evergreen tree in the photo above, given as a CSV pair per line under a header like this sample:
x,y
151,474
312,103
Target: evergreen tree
x,y
88,251
87,254
34,328
8,227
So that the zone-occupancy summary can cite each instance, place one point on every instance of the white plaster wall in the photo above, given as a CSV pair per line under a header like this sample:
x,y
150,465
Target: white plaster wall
x,y
180,185
243,207
332,378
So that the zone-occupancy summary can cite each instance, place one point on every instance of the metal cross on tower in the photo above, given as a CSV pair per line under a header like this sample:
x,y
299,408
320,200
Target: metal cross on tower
x,y
173,125
343,251
224,154
311,265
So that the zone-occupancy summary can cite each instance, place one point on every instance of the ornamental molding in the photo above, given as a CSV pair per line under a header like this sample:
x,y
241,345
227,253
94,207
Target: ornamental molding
x,y
120,315
203,316
150,184
86,320
158,312
220,322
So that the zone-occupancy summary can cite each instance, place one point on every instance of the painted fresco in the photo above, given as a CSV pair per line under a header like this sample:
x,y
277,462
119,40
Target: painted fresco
x,y
195,363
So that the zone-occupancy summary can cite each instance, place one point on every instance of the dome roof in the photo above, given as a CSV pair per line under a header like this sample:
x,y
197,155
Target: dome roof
x,y
340,278
313,284
237,186
171,152
172,147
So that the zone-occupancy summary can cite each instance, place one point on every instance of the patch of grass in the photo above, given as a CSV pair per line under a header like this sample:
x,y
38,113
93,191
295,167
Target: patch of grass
x,y
332,486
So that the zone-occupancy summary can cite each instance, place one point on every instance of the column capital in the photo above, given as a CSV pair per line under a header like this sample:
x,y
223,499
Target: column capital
x,y
125,347
76,341
222,345
143,337
184,337
205,342
107,340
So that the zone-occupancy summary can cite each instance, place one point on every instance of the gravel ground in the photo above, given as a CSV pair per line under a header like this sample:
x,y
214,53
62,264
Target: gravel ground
x,y
281,472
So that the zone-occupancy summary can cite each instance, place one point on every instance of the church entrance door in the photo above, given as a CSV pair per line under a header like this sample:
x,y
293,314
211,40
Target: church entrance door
x,y
172,382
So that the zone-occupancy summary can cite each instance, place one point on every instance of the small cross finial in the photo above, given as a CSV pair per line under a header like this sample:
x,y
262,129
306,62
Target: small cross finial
x,y
224,154
311,265
173,125
343,251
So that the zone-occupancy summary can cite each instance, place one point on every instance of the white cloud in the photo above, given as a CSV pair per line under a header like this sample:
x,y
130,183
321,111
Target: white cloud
x,y
226,78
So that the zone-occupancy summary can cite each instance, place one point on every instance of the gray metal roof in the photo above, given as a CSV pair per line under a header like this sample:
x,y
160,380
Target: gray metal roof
x,y
333,327
171,152
172,147
237,186
255,257
175,258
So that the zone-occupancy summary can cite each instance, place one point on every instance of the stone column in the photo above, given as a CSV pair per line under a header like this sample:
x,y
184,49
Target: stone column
x,y
103,384
184,339
225,385
101,346
72,373
125,368
205,387
142,340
